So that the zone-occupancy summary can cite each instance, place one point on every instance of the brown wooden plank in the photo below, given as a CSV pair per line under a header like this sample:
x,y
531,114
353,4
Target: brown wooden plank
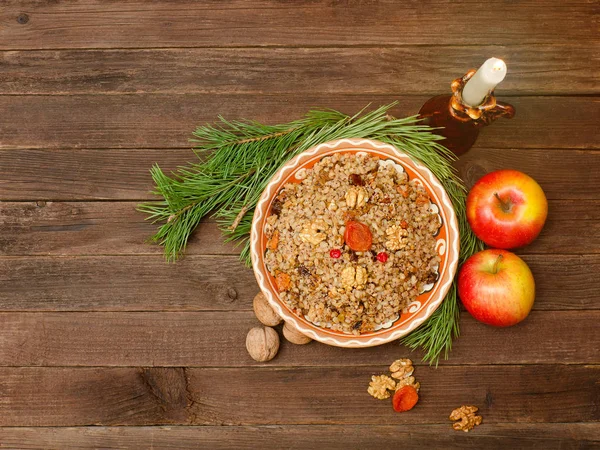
x,y
198,283
539,69
533,436
116,228
205,339
573,226
159,121
97,24
562,174
69,174
148,283
125,283
91,228
221,396
84,174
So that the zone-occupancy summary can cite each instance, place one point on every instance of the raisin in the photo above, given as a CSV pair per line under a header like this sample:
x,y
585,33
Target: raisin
x,y
277,206
431,278
303,270
357,325
356,180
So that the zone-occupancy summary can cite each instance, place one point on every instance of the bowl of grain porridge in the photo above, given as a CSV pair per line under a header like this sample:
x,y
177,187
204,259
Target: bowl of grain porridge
x,y
354,244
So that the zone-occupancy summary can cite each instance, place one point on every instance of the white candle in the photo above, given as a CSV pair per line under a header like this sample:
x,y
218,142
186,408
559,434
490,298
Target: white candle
x,y
485,80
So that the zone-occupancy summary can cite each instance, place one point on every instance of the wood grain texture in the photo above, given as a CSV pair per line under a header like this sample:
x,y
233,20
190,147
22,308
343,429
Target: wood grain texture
x,y
98,24
538,69
116,228
93,92
572,174
112,174
159,396
533,436
162,121
125,283
82,174
217,339
92,228
217,283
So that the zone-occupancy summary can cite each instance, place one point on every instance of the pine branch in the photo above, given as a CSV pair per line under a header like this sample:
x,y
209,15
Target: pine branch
x,y
237,159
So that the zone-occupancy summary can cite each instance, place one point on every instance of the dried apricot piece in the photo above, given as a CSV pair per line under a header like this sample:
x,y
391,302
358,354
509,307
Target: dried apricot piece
x,y
283,281
358,236
274,241
405,399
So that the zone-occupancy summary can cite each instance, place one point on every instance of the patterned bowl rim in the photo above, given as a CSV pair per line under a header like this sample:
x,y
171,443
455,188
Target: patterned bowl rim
x,y
384,335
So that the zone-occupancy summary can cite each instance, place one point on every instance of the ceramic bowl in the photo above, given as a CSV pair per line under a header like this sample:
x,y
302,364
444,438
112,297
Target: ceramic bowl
x,y
447,243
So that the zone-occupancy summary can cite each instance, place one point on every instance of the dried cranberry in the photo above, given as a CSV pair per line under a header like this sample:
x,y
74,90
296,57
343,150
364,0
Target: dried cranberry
x,y
335,253
382,257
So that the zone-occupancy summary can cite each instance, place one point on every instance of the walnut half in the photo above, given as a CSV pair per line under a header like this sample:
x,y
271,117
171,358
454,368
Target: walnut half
x,y
356,197
380,385
354,277
467,417
402,370
311,232
396,238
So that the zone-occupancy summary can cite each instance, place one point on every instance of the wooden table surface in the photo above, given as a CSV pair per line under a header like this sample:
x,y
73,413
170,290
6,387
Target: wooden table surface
x,y
102,344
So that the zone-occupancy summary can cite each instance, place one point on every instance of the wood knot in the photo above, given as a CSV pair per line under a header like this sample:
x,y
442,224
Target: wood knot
x,y
168,386
22,18
489,400
40,203
471,172
232,293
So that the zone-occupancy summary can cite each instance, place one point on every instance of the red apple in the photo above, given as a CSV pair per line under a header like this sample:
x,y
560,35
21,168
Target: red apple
x,y
506,209
496,287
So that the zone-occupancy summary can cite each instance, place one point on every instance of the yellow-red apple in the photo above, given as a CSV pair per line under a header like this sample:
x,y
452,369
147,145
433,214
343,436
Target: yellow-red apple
x,y
496,287
506,209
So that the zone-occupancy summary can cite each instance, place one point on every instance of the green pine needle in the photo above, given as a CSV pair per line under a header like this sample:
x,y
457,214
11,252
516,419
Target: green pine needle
x,y
237,160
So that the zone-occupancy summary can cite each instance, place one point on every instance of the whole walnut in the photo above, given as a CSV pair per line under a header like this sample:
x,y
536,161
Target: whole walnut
x,y
294,336
263,311
262,343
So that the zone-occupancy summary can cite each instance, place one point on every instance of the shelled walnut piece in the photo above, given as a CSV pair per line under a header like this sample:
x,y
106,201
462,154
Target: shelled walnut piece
x,y
356,197
380,386
402,370
312,232
354,277
262,343
397,238
263,311
294,336
467,417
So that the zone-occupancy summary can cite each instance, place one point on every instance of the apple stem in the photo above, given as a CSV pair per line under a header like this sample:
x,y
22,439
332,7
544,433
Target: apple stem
x,y
495,268
505,205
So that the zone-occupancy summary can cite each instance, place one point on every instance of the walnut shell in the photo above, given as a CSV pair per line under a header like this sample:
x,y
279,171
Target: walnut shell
x,y
262,343
263,311
294,336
